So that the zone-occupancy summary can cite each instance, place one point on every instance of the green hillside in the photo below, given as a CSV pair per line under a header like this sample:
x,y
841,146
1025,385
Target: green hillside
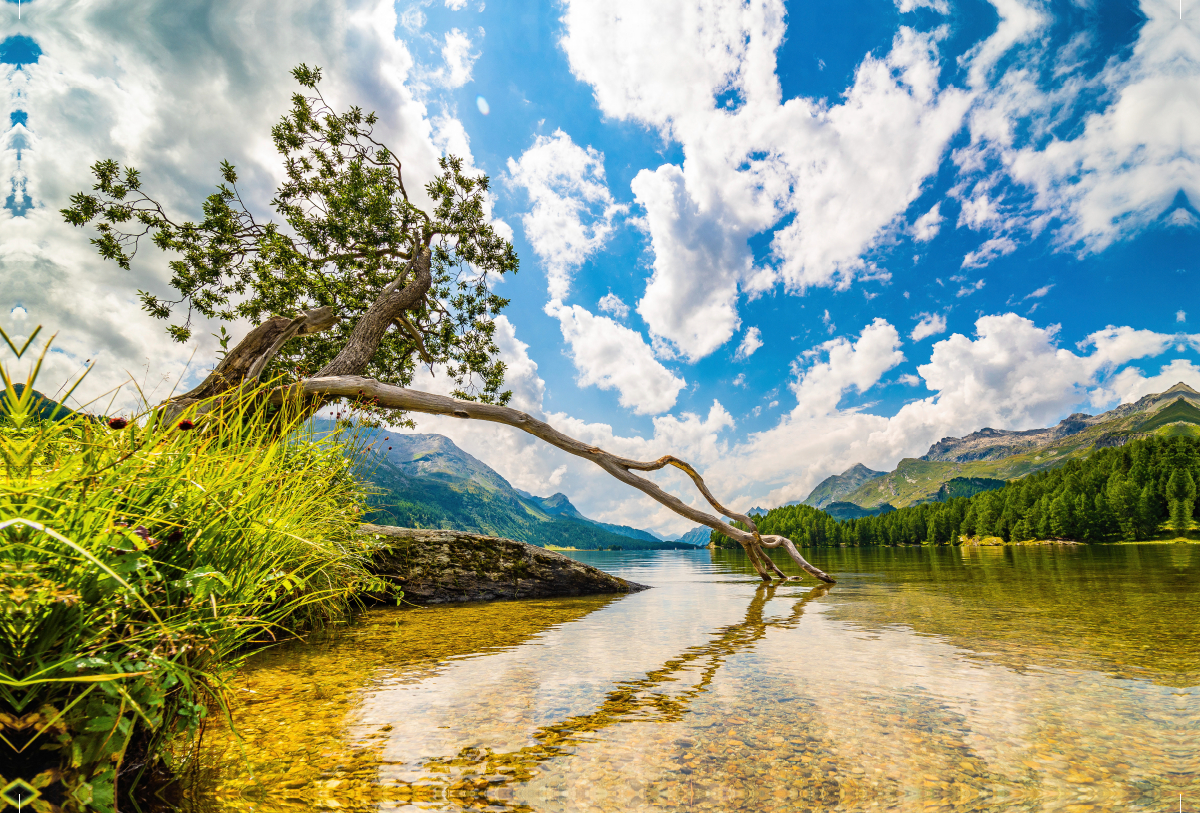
x,y
993,455
1180,411
1146,489
426,481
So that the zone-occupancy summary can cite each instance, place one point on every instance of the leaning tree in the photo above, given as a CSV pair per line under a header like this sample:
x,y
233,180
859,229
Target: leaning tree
x,y
352,287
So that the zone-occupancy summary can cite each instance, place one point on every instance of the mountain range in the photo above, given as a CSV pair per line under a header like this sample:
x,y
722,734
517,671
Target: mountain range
x,y
426,481
959,467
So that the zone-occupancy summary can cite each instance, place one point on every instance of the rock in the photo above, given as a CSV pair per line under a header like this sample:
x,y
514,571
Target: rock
x,y
437,566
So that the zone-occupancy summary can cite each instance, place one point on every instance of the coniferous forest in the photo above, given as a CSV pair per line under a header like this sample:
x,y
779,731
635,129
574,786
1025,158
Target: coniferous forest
x,y
1143,490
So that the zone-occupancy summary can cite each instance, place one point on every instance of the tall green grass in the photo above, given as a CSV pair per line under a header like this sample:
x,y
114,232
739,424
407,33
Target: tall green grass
x,y
138,565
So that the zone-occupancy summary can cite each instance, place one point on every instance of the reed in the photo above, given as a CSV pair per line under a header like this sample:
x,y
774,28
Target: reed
x,y
140,562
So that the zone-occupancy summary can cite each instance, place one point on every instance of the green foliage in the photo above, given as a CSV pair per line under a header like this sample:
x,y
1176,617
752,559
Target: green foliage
x,y
1117,493
138,561
348,230
966,487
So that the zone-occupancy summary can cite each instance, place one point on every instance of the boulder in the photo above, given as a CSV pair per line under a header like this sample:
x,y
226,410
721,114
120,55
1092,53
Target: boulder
x,y
438,566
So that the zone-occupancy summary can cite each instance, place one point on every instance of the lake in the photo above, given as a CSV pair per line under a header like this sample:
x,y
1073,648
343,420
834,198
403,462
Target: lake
x,y
1049,678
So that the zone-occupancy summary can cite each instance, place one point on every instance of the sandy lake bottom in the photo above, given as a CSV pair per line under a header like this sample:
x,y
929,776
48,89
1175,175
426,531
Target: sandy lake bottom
x,y
952,679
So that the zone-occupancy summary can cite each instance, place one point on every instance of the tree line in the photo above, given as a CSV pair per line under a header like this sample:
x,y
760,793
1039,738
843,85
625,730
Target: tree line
x,y
1142,490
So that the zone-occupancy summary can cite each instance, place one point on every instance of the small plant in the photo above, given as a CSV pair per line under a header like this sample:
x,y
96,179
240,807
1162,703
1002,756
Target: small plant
x,y
139,562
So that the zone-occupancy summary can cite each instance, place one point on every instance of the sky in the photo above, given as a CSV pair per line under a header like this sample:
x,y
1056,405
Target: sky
x,y
775,239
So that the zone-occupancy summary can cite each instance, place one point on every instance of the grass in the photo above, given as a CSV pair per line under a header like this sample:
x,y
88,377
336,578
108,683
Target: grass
x,y
140,561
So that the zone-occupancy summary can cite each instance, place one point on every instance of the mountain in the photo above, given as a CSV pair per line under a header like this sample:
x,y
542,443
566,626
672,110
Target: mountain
x,y
43,408
426,481
698,536
984,459
834,488
557,505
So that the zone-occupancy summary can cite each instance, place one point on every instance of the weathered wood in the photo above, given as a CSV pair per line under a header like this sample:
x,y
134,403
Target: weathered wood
x,y
251,355
391,303
355,387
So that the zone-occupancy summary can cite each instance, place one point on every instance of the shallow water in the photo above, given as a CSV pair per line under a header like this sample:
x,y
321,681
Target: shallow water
x,y
981,679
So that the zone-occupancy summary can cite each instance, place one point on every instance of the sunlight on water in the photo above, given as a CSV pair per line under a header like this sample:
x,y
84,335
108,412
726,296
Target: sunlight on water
x,y
1031,679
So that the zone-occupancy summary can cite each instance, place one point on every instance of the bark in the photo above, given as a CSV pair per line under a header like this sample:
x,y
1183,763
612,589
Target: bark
x,y
250,356
391,304
388,395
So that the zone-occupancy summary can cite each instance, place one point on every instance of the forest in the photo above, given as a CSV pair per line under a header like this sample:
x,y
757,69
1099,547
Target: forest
x,y
1145,489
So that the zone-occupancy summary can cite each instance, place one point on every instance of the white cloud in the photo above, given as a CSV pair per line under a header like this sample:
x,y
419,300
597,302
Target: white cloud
x,y
940,6
750,342
739,380
827,320
611,356
690,301
1130,384
97,92
990,250
908,380
572,209
1180,316
845,172
458,59
926,227
456,5
931,324
611,303
819,385
970,288
1040,292
1121,169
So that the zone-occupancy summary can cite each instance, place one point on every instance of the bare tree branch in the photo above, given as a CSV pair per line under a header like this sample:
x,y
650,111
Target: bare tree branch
x,y
388,395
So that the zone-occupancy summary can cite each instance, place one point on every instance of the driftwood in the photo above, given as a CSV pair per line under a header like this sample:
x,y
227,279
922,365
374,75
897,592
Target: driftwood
x,y
622,468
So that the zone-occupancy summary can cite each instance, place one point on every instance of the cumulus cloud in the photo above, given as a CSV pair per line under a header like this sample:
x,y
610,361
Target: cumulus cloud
x,y
926,227
611,303
970,288
750,342
611,356
1122,168
572,210
940,6
843,173
828,370
111,85
930,324
458,59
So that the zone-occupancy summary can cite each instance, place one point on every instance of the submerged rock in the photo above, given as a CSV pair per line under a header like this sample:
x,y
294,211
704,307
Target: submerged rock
x,y
436,566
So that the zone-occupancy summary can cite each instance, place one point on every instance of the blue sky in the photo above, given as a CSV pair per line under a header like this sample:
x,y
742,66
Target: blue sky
x,y
774,238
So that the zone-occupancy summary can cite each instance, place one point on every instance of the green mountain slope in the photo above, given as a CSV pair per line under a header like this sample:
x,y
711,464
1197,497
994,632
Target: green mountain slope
x,y
1146,489
993,454
426,481
835,488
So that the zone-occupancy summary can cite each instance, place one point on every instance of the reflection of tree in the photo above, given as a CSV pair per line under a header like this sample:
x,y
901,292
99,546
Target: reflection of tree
x,y
645,699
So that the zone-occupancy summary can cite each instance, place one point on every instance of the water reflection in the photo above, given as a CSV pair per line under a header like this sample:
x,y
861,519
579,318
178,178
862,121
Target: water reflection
x,y
1001,679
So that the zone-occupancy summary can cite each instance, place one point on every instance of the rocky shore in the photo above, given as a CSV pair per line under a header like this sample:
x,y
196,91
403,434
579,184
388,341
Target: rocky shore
x,y
436,566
